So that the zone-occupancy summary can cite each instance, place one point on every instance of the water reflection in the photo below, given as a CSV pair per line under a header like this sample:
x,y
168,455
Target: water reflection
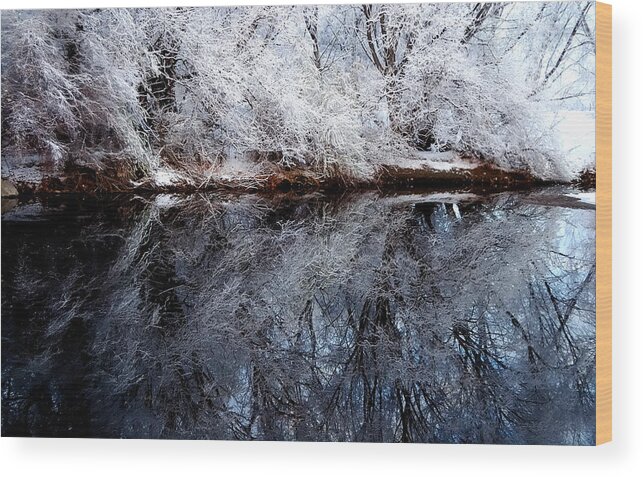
x,y
431,317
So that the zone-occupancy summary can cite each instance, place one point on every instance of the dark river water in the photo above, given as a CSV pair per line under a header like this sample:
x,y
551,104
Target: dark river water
x,y
427,317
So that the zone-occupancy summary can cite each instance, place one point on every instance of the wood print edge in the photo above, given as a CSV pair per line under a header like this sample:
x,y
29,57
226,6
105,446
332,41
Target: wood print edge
x,y
603,223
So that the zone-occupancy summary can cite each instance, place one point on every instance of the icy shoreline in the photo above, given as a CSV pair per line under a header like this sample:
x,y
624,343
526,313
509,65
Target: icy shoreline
x,y
423,170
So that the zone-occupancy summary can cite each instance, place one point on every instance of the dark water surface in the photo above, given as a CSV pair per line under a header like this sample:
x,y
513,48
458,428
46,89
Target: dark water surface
x,y
433,317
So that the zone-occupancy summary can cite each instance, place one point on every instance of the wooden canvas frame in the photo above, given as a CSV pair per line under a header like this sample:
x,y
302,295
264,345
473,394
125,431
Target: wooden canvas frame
x,y
603,223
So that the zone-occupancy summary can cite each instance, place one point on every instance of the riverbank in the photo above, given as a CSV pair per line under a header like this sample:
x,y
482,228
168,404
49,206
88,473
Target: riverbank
x,y
427,170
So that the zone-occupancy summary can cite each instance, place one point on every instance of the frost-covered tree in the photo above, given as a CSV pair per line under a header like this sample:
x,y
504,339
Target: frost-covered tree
x,y
329,88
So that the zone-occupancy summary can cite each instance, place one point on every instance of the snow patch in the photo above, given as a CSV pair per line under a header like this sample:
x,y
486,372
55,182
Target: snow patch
x,y
586,197
165,177
439,161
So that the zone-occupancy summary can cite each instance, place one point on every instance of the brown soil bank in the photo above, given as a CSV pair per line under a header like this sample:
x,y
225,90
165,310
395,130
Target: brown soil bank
x,y
84,180
483,175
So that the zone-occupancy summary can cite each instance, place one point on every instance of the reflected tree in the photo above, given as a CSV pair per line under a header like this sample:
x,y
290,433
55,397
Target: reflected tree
x,y
360,318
